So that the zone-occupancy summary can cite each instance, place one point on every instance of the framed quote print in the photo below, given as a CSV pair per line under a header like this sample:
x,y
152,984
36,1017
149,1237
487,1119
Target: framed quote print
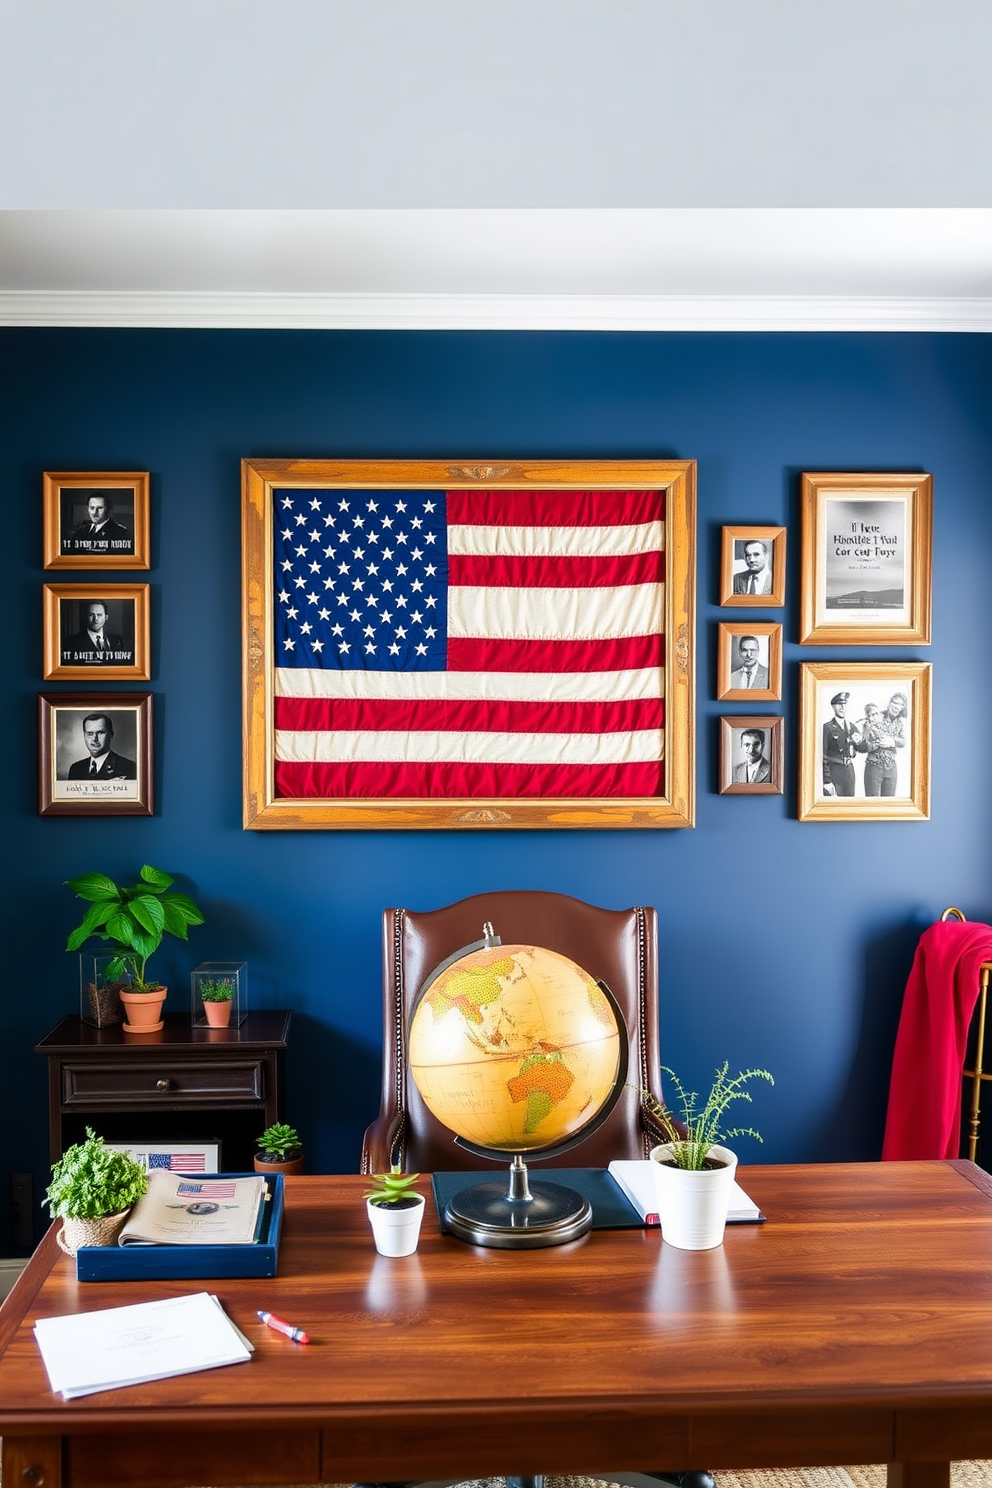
x,y
96,631
439,643
865,741
95,754
96,519
866,545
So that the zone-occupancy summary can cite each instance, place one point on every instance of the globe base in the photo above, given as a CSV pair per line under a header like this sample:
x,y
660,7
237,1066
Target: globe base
x,y
521,1217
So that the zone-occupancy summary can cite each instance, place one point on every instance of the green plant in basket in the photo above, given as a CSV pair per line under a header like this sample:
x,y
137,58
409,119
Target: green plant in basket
x,y
136,919
700,1128
221,990
279,1142
394,1188
90,1180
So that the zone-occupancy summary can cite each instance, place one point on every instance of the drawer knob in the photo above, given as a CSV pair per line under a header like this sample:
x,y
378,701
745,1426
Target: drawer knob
x,y
32,1477
163,1084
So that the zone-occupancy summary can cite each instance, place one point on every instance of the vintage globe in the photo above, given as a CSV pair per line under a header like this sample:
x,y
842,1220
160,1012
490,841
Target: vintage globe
x,y
514,1047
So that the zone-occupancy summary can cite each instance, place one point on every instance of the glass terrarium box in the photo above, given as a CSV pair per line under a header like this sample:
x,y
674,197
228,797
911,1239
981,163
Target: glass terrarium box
x,y
99,995
219,994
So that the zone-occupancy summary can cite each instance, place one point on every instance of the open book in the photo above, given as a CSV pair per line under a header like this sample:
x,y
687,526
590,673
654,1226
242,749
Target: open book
x,y
180,1210
637,1181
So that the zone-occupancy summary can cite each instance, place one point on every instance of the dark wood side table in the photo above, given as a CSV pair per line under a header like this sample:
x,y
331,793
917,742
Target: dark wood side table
x,y
181,1084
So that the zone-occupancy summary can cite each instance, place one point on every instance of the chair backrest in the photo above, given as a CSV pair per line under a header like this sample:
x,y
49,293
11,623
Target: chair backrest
x,y
619,947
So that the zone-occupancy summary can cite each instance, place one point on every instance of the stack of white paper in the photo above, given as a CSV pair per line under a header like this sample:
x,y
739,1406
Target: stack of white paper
x,y
637,1181
89,1351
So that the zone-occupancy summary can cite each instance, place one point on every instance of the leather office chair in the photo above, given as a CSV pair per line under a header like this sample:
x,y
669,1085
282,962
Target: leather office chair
x,y
619,947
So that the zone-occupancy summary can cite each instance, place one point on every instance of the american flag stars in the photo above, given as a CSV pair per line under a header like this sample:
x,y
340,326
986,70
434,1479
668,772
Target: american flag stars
x,y
361,580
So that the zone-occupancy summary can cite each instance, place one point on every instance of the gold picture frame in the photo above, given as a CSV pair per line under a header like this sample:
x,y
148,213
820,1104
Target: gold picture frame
x,y
119,499
862,756
737,761
866,559
735,576
749,661
295,723
109,730
81,643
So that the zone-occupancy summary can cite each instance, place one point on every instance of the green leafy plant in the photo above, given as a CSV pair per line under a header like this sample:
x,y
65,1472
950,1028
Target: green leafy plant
x,y
217,991
392,1187
701,1128
135,919
90,1181
278,1142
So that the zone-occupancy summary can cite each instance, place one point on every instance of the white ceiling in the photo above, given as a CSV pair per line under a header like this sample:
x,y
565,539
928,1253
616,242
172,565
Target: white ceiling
x,y
651,268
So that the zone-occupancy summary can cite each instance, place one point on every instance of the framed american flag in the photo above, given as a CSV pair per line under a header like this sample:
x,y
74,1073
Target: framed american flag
x,y
455,644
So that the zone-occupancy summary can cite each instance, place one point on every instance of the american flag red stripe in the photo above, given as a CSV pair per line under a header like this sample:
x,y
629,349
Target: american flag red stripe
x,y
452,780
469,644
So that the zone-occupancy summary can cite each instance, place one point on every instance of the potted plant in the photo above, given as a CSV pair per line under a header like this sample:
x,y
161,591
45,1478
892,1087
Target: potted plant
x,y
279,1150
395,1212
217,993
92,1191
694,1171
134,919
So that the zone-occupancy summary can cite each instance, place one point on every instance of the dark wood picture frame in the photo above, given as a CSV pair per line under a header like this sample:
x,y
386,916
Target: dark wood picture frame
x,y
668,686
855,528
773,540
732,762
730,631
127,610
64,787
65,509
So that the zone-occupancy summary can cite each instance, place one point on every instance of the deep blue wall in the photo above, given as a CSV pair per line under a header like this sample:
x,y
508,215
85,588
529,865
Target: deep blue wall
x,y
782,944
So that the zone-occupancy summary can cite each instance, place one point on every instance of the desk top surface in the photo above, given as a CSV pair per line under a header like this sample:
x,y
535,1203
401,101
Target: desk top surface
x,y
869,1284
266,1028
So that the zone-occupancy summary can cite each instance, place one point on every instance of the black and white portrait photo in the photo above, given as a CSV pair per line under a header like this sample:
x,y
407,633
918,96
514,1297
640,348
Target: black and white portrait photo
x,y
751,756
749,661
96,519
752,570
95,753
865,744
90,631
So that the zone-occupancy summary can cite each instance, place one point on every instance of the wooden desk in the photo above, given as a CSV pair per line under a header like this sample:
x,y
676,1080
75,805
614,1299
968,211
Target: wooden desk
x,y
855,1326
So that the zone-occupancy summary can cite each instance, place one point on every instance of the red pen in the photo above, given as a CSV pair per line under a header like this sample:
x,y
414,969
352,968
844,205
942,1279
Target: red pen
x,y
296,1334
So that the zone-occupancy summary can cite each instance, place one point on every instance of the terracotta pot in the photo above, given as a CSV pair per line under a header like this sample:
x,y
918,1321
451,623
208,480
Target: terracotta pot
x,y
218,1014
144,1010
290,1167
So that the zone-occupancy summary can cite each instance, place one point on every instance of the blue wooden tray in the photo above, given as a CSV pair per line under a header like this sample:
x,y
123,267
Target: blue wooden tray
x,y
175,1262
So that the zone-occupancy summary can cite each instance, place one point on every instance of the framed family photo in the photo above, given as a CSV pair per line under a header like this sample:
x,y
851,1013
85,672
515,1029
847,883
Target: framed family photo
x,y
866,559
752,567
95,754
99,630
96,519
865,741
749,662
751,754
490,645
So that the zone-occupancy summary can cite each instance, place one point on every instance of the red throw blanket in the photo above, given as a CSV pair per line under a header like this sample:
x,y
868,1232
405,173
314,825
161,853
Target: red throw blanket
x,y
924,1118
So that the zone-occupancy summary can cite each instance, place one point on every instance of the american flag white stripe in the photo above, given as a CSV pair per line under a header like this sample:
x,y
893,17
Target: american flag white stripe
x,y
555,614
537,542
552,687
429,746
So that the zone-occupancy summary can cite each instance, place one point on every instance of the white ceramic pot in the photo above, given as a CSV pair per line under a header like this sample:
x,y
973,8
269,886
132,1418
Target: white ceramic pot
x,y
395,1231
692,1206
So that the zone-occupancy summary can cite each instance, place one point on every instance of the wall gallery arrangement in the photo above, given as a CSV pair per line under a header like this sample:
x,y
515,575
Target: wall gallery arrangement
x,y
95,749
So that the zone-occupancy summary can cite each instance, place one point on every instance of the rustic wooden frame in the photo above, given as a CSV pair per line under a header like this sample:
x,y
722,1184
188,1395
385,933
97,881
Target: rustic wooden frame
x,y
819,680
772,536
53,799
55,482
55,671
728,630
264,811
866,628
774,727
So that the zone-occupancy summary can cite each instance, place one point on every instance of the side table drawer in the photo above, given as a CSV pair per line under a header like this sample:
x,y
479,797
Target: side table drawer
x,y
147,1083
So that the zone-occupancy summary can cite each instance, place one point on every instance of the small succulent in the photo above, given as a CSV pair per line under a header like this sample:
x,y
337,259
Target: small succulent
x,y
392,1187
91,1180
278,1141
221,990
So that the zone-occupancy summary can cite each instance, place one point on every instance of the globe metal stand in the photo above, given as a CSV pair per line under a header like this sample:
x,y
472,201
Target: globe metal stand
x,y
518,1217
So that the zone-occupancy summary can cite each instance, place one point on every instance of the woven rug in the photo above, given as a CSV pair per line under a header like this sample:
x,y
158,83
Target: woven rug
x,y
963,1475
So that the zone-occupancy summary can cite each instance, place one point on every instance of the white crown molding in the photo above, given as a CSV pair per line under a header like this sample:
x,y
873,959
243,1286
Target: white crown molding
x,y
498,312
